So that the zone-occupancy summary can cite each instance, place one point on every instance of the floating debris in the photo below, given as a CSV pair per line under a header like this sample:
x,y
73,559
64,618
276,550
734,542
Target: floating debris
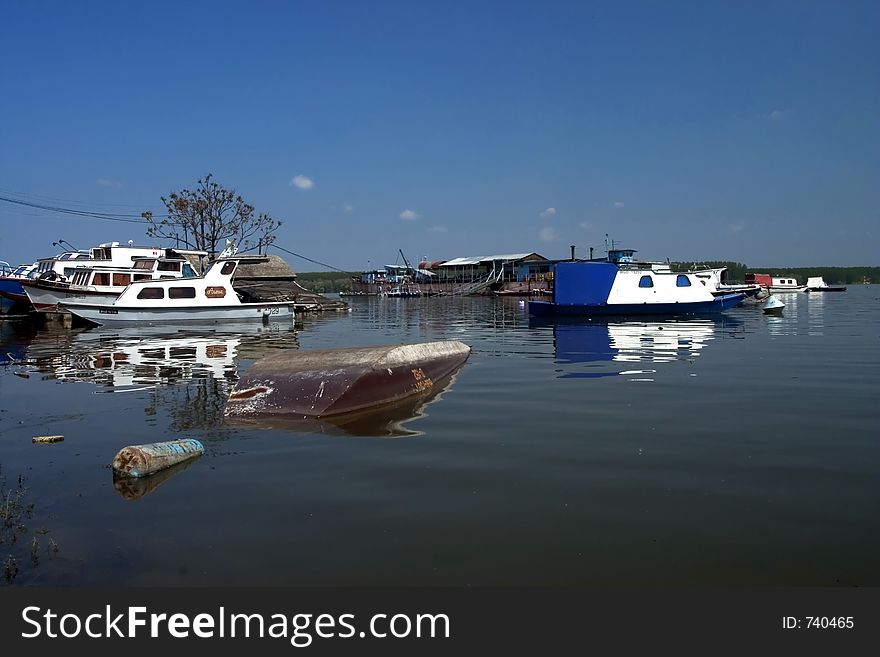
x,y
143,460
47,439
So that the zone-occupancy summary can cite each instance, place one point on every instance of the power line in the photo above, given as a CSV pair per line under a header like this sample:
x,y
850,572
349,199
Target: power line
x,y
127,218
42,198
323,264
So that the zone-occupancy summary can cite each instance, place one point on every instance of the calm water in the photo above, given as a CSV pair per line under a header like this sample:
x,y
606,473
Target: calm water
x,y
739,450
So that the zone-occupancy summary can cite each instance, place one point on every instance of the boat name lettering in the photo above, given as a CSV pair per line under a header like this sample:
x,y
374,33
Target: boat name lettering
x,y
423,382
215,292
108,311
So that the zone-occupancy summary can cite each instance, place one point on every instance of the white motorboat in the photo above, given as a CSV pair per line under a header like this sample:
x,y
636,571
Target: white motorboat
x,y
786,285
818,284
715,279
102,285
209,298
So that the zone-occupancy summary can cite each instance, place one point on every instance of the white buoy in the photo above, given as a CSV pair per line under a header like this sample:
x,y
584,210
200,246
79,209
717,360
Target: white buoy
x,y
772,306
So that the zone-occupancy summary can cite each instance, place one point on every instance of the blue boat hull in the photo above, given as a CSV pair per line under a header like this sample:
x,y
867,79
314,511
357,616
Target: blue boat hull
x,y
11,289
545,308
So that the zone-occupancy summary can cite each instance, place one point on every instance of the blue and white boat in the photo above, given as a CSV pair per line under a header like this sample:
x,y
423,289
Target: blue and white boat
x,y
625,287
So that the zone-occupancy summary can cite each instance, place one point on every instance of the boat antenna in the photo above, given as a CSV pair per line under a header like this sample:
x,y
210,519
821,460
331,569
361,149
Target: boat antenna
x,y
65,244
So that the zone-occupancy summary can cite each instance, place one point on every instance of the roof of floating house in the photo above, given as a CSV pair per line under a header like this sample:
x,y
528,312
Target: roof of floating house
x,y
475,260
267,266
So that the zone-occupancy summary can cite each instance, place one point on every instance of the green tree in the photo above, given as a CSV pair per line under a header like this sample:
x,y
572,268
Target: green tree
x,y
202,217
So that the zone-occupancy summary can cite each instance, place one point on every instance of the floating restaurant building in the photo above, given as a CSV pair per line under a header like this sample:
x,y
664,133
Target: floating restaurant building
x,y
512,273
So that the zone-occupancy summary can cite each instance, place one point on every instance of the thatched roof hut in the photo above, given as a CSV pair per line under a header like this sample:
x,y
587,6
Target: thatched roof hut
x,y
268,267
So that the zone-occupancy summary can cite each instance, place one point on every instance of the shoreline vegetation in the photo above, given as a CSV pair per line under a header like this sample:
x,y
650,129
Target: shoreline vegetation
x,y
324,282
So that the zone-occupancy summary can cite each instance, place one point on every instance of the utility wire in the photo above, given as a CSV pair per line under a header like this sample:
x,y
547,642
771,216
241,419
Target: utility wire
x,y
128,218
323,264
41,198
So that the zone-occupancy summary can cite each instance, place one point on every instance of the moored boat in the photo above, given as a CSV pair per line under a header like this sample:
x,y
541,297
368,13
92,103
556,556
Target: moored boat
x,y
716,280
609,288
11,279
102,285
818,284
786,284
207,298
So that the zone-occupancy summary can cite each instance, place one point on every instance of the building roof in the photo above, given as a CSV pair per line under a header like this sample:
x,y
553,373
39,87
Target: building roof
x,y
475,260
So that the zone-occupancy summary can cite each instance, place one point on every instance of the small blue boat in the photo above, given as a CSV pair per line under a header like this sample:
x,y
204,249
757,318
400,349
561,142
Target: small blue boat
x,y
629,288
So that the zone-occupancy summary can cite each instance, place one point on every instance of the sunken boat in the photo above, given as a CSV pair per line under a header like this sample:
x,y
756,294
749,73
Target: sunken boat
x,y
339,383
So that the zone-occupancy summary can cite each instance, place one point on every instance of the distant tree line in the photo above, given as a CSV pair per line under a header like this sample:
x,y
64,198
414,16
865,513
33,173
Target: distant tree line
x,y
324,282
736,271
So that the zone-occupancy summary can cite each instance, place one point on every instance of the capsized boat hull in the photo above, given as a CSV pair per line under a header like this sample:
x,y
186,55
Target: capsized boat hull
x,y
546,308
335,382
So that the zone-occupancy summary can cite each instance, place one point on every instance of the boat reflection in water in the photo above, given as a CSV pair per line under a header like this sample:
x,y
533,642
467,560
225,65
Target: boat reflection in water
x,y
138,357
629,342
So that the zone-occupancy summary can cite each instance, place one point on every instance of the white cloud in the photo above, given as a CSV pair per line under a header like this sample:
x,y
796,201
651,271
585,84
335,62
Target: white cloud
x,y
618,204
104,182
775,115
735,228
586,225
302,182
409,215
348,209
548,213
548,234
437,229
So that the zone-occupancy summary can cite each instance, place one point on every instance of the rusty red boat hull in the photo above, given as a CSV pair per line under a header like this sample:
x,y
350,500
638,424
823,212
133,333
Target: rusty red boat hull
x,y
336,382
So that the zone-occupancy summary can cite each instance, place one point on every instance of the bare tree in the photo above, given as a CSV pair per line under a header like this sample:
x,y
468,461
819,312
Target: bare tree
x,y
200,218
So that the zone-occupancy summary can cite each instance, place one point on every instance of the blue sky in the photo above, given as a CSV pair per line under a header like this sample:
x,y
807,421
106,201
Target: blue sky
x,y
688,130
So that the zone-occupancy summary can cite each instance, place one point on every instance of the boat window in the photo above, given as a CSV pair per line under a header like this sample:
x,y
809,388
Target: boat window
x,y
121,279
682,281
141,277
151,293
143,263
182,293
228,268
646,281
101,278
164,265
188,271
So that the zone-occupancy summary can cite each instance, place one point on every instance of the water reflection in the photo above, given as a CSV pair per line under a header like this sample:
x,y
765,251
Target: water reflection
x,y
787,322
815,304
633,342
134,488
140,357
